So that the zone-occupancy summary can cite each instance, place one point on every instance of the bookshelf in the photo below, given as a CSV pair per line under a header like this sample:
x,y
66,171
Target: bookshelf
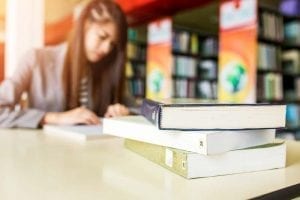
x,y
136,68
195,57
277,67
291,67
279,48
269,66
291,75
193,62
188,68
136,62
277,61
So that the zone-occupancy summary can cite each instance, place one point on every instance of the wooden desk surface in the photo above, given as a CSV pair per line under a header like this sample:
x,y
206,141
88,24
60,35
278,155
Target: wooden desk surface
x,y
36,166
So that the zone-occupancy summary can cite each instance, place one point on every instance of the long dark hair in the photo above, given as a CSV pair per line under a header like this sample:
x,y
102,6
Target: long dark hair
x,y
107,75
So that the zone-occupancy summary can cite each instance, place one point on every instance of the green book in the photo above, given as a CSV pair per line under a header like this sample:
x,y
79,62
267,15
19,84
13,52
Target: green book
x,y
194,165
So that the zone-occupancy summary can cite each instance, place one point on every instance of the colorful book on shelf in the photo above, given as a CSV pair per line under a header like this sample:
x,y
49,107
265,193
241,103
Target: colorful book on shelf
x,y
76,132
290,7
291,62
167,115
193,165
292,115
203,142
291,32
194,44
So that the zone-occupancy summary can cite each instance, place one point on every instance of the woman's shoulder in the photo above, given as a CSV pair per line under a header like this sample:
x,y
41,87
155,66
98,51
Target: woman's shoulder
x,y
48,54
45,57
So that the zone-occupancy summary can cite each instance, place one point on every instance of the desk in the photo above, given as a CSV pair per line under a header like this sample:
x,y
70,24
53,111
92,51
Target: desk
x,y
36,166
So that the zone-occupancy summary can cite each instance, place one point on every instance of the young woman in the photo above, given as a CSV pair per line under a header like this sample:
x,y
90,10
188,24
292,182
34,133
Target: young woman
x,y
72,83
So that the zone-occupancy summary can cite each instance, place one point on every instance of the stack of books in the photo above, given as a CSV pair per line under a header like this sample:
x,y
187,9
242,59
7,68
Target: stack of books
x,y
201,140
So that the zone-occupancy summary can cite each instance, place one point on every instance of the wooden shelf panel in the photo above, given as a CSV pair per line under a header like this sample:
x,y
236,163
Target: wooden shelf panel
x,y
142,11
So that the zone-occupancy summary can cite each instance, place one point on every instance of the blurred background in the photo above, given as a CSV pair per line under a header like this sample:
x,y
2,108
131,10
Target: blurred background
x,y
195,45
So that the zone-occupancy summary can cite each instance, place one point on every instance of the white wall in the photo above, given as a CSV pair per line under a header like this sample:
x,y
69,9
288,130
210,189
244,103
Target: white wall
x,y
24,30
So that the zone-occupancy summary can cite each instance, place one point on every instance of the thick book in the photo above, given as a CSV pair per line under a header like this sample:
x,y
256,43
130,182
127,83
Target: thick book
x,y
213,116
193,165
203,142
76,132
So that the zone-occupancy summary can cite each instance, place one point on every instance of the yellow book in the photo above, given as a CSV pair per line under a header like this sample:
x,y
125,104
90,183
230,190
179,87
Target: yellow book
x,y
194,44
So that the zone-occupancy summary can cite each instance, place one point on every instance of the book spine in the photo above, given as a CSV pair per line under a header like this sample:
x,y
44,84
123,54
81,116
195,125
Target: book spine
x,y
151,111
175,161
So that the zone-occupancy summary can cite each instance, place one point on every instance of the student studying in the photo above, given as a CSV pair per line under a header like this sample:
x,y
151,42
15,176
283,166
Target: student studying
x,y
74,82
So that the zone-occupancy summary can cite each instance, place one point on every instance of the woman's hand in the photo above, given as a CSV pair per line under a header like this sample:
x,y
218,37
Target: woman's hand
x,y
78,115
116,110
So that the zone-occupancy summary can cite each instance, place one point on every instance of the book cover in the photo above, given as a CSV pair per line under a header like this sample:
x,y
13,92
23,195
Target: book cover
x,y
193,165
203,142
213,116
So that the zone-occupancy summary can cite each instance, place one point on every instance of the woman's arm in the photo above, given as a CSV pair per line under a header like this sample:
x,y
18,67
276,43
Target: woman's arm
x,y
11,90
78,115
20,119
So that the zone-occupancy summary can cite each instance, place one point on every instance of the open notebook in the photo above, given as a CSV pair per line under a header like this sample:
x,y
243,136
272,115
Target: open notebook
x,y
77,132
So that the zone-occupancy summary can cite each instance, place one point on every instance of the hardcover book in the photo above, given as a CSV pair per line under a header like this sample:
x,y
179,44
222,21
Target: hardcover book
x,y
213,116
203,142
